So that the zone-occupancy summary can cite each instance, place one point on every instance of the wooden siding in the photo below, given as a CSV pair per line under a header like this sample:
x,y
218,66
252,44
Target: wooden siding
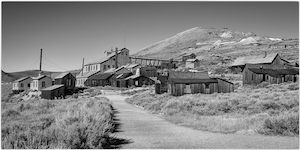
x,y
17,85
68,80
51,94
140,81
225,86
38,83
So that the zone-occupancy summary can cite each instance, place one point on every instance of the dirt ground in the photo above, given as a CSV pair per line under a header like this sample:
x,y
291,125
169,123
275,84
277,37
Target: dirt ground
x,y
139,129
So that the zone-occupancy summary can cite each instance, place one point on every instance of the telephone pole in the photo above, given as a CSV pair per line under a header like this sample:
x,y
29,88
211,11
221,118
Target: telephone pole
x,y
41,60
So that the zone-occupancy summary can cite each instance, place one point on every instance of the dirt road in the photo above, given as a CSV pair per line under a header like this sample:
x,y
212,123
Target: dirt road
x,y
140,129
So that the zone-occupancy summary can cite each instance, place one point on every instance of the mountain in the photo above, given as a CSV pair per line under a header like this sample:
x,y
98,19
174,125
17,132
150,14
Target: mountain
x,y
6,77
12,76
214,46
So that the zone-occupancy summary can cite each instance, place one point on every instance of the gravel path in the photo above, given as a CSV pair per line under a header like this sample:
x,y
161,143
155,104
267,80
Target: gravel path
x,y
140,129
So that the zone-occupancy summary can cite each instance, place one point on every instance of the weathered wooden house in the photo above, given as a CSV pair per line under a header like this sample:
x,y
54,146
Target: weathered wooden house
x,y
118,80
52,92
192,63
40,82
180,83
138,80
21,84
112,60
188,56
99,79
148,71
257,73
272,59
67,79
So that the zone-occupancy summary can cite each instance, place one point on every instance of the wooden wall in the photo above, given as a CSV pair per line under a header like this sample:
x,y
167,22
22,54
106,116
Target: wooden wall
x,y
225,86
68,80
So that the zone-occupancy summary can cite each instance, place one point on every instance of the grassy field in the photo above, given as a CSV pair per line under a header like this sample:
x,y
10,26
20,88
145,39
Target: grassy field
x,y
69,123
264,109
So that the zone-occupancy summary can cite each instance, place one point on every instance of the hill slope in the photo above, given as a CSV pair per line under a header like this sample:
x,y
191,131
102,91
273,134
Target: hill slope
x,y
214,46
6,77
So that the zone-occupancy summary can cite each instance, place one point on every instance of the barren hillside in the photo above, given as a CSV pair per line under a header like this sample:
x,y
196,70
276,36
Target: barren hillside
x,y
219,47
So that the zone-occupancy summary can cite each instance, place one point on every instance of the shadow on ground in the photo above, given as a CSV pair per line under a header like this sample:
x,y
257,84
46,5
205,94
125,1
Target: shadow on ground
x,y
115,142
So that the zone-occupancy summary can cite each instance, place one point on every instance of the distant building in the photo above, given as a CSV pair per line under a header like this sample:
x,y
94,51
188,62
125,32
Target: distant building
x,y
257,73
40,82
272,59
180,83
21,84
189,56
67,79
192,63
103,65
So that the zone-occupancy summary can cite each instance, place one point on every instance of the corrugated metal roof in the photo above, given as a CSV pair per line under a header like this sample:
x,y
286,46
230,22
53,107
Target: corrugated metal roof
x,y
61,75
87,74
191,60
273,70
188,75
106,57
21,79
53,87
39,77
260,59
101,76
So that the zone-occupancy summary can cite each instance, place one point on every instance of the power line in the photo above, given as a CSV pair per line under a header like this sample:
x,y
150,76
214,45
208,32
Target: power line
x,y
33,63
54,64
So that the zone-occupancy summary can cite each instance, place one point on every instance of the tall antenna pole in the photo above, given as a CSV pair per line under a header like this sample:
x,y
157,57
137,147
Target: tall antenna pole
x,y
82,67
116,62
41,60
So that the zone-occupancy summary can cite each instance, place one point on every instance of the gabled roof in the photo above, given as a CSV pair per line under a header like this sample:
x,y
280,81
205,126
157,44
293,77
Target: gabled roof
x,y
101,76
39,77
194,81
106,57
21,79
260,59
53,87
87,74
130,66
192,60
188,75
111,70
61,75
273,70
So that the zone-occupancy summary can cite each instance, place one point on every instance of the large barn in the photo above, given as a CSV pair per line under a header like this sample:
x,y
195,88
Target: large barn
x,y
257,73
180,83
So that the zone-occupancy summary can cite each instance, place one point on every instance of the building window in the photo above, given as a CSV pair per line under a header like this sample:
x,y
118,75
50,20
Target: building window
x,y
96,67
43,84
28,85
207,85
252,77
69,82
108,66
113,66
104,67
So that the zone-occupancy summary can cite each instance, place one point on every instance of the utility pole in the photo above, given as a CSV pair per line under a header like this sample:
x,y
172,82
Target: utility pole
x,y
116,57
41,60
82,67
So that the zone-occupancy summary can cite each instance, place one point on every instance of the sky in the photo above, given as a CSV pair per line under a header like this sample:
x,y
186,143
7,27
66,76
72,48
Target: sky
x,y
70,31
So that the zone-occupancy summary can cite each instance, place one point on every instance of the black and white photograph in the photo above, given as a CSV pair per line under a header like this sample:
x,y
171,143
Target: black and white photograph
x,y
150,75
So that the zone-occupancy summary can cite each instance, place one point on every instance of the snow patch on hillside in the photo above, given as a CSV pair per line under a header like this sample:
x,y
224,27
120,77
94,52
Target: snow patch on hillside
x,y
227,34
248,40
275,39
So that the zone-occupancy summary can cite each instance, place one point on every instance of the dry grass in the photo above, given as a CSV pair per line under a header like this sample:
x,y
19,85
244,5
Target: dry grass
x,y
70,123
247,109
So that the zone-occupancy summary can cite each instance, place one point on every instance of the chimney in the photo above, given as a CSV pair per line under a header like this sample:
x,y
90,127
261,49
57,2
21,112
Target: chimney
x,y
116,58
82,67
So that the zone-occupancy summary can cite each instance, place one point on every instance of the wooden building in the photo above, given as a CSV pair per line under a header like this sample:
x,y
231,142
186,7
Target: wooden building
x,y
102,65
99,79
192,63
52,92
189,56
180,83
21,84
148,71
272,59
67,79
118,80
40,82
138,80
255,74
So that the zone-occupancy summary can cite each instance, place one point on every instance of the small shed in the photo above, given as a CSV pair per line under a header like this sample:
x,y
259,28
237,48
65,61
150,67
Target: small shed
x,y
192,63
52,92
180,83
67,79
255,74
138,80
21,84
